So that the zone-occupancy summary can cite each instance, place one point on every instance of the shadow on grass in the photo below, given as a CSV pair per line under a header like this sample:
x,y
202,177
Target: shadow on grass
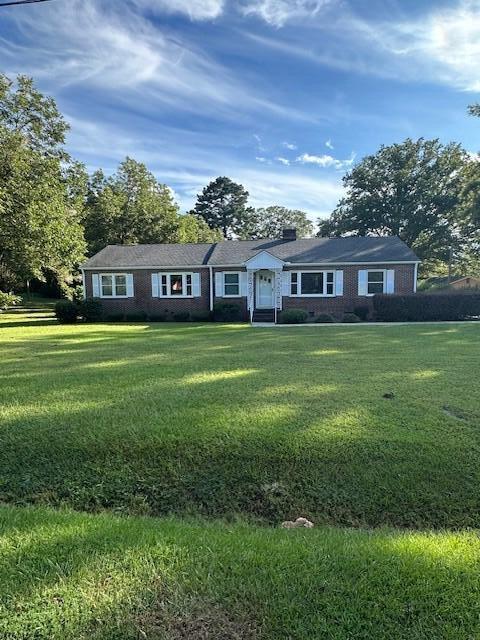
x,y
66,576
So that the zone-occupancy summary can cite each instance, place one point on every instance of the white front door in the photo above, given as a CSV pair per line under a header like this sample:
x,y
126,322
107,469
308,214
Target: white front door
x,y
265,289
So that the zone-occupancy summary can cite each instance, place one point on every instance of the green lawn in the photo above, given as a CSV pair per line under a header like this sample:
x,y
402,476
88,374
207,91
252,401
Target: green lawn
x,y
67,576
225,420
231,428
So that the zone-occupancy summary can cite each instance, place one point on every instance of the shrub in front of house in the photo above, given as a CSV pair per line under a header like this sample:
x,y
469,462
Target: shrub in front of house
x,y
135,316
351,318
202,315
226,312
293,316
114,317
362,312
157,317
423,307
181,316
66,311
324,318
91,309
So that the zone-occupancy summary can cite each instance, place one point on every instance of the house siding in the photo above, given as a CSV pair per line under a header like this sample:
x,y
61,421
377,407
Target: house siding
x,y
337,306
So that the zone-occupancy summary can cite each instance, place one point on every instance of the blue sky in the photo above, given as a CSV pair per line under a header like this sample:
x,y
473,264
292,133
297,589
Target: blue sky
x,y
280,95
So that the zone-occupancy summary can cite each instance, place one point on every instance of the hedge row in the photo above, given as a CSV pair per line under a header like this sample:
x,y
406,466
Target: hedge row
x,y
91,310
421,307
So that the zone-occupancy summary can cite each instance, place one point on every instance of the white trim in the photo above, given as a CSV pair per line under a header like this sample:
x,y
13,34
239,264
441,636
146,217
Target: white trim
x,y
210,271
415,278
384,284
264,260
314,295
293,265
169,294
232,295
114,285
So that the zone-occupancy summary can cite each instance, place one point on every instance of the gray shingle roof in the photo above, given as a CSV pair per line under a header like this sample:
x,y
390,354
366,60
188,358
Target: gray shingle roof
x,y
236,252
150,255
317,250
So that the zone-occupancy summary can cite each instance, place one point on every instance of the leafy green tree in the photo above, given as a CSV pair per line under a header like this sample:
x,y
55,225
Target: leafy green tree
x,y
412,189
269,222
40,217
222,204
192,228
129,207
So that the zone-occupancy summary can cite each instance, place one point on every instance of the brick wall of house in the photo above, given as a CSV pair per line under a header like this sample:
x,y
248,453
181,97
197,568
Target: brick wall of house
x,y
143,301
337,306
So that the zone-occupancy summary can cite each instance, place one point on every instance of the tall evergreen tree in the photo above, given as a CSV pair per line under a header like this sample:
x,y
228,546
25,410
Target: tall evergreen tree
x,y
222,204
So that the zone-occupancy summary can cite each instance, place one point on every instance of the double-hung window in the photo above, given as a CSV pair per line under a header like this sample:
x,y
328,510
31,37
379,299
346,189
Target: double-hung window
x,y
176,285
231,283
375,282
313,283
113,285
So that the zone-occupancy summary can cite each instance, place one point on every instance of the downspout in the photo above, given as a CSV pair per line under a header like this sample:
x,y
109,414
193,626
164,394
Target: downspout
x,y
415,278
210,271
84,284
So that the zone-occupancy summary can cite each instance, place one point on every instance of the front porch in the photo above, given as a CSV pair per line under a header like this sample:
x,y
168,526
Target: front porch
x,y
265,281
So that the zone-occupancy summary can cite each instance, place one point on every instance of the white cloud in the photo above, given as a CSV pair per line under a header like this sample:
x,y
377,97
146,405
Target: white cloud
x,y
284,161
278,12
326,161
194,9
289,145
260,159
329,144
448,39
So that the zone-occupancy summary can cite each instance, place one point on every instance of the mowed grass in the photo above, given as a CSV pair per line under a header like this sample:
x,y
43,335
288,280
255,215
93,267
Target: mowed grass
x,y
71,576
219,421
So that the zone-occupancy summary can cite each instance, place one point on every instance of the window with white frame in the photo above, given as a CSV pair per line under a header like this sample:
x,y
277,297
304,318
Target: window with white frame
x,y
313,283
231,283
176,285
113,285
375,282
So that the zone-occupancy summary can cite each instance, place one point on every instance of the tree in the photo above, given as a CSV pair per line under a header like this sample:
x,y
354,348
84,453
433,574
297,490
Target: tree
x,y
269,222
40,216
192,228
474,109
222,204
129,207
411,189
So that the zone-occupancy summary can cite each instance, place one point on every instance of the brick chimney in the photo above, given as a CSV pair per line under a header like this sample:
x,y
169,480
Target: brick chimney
x,y
289,233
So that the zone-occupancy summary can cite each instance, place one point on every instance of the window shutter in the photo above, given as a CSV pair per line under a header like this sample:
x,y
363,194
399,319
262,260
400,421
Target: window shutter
x,y
219,284
362,282
155,292
244,283
95,285
129,285
339,283
286,283
196,285
390,283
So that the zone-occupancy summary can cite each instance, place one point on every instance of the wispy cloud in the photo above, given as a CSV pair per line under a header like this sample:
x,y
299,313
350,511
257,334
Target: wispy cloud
x,y
284,161
194,9
326,161
329,145
278,12
289,145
